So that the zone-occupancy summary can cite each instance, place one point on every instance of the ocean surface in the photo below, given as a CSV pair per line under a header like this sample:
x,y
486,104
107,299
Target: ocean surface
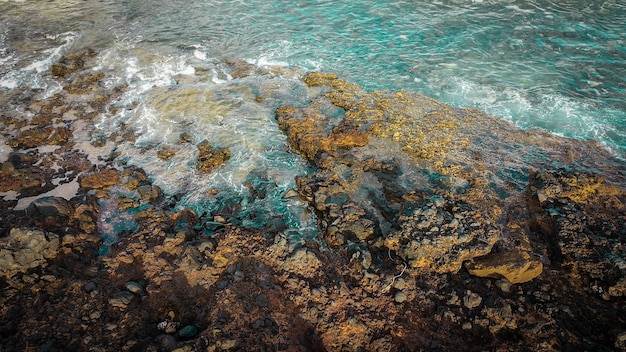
x,y
554,65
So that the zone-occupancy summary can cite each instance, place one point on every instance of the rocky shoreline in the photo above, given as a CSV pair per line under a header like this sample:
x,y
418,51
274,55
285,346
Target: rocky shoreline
x,y
441,229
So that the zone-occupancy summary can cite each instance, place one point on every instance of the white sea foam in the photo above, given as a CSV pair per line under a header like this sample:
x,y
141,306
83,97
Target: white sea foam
x,y
559,114
30,76
66,191
52,54
9,195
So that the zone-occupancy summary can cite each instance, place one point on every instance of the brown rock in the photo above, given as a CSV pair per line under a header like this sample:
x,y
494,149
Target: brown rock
x,y
165,152
210,158
516,266
100,179
71,63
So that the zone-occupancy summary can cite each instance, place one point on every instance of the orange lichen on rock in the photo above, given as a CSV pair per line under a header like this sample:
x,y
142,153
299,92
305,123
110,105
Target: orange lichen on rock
x,y
517,266
305,131
589,189
210,158
101,179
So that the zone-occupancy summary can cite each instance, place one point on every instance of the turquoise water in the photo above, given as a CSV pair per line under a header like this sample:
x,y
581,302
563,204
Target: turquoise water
x,y
554,65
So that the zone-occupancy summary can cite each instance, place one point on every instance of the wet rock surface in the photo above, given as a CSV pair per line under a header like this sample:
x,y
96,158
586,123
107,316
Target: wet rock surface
x,y
442,229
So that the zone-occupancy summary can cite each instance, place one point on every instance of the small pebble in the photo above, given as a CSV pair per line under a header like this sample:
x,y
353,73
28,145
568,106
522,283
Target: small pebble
x,y
134,287
400,297
239,275
400,284
261,300
167,342
121,299
504,285
90,286
472,300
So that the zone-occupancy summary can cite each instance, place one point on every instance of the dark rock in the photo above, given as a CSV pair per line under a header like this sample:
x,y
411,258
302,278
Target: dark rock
x,y
213,226
261,300
186,138
222,284
188,332
166,342
90,286
50,211
582,220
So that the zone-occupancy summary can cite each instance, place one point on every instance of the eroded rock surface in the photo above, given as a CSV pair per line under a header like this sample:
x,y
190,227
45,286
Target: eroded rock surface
x,y
25,249
443,229
430,182
583,218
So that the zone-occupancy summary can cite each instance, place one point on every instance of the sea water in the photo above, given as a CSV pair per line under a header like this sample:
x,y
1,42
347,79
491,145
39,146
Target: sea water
x,y
554,65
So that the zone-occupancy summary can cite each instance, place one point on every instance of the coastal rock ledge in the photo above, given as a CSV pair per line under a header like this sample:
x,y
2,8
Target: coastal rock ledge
x,y
441,229
400,174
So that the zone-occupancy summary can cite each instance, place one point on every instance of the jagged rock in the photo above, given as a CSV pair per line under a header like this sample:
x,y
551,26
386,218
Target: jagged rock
x,y
582,218
441,238
87,218
71,63
422,178
50,212
165,152
101,179
41,136
24,249
134,287
516,266
306,130
210,158
88,83
472,300
121,299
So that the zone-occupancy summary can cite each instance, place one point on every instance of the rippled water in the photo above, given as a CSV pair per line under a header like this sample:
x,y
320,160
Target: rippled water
x,y
555,65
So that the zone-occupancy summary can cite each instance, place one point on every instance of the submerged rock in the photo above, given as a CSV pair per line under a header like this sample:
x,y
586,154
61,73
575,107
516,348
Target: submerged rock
x,y
188,332
71,63
210,158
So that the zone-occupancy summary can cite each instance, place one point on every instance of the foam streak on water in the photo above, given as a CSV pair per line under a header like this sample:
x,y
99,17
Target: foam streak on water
x,y
534,62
